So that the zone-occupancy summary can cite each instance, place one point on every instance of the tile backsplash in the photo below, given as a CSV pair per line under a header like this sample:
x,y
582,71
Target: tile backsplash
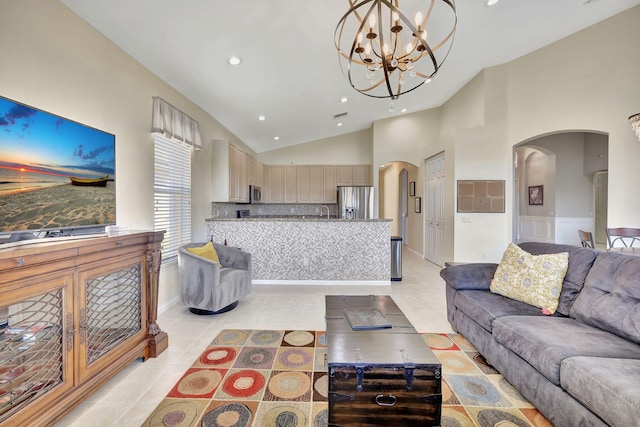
x,y
229,210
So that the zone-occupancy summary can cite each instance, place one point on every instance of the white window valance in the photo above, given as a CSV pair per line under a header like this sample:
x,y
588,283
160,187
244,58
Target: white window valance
x,y
170,121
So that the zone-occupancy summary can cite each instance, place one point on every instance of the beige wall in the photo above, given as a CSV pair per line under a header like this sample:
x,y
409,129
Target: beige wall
x,y
55,61
588,81
348,149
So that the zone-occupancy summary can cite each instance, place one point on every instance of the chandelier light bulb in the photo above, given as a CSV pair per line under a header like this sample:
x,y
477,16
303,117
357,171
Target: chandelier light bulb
x,y
367,49
372,21
418,19
360,37
409,48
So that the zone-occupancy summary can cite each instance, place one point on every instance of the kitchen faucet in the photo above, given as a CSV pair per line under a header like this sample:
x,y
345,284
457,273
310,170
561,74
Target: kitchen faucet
x,y
322,210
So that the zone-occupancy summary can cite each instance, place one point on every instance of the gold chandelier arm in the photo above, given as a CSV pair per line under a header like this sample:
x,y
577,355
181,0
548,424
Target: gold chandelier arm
x,y
450,35
428,14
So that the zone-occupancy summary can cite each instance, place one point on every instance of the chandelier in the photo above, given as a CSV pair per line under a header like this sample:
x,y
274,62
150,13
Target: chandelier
x,y
635,124
385,52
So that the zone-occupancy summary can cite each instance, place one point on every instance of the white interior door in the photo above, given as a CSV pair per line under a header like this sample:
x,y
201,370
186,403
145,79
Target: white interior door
x,y
434,209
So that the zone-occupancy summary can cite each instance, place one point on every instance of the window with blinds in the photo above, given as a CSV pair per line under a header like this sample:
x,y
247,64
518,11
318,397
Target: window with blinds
x,y
172,194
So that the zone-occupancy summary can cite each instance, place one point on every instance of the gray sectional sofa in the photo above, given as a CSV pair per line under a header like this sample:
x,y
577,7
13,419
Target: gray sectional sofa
x,y
579,367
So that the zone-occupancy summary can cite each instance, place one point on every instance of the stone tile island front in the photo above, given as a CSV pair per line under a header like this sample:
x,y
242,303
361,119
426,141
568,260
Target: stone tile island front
x,y
310,250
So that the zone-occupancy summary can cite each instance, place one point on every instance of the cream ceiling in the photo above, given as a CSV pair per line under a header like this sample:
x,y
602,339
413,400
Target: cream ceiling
x,y
290,71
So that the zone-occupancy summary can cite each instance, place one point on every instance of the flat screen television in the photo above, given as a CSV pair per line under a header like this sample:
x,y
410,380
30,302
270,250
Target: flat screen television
x,y
57,176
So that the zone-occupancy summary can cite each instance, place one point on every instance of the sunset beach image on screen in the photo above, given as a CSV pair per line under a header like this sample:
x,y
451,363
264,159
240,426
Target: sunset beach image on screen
x,y
55,173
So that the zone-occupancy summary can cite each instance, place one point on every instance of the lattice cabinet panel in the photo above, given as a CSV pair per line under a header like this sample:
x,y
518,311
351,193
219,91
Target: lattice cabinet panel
x,y
32,348
113,312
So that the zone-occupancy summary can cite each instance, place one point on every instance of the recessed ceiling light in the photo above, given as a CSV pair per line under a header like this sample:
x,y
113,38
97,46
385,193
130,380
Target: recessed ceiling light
x,y
492,2
262,118
339,124
276,138
344,99
404,110
234,60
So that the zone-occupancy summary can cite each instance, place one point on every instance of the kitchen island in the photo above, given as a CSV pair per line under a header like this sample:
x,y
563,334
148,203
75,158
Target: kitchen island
x,y
310,250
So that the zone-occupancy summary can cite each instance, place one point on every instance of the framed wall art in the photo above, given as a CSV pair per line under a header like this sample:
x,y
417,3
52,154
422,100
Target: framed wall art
x,y
412,188
417,205
536,194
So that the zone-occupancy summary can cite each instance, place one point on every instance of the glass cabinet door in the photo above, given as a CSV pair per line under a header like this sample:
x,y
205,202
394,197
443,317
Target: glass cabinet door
x,y
34,352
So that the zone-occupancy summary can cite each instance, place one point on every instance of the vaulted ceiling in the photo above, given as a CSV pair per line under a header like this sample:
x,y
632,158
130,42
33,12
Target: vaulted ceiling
x,y
290,72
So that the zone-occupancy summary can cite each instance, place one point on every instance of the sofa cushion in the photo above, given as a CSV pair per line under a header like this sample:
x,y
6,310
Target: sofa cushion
x,y
610,299
544,342
608,387
580,262
484,307
533,279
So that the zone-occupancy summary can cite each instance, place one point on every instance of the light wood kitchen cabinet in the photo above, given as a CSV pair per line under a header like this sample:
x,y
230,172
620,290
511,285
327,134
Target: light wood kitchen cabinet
x,y
238,182
310,184
361,174
274,175
73,314
255,172
353,175
289,184
329,184
344,175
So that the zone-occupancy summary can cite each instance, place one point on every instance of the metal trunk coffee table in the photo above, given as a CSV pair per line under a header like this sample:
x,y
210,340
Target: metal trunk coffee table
x,y
381,372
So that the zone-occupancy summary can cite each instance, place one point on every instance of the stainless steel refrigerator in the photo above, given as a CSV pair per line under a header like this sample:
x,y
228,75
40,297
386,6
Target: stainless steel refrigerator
x,y
355,202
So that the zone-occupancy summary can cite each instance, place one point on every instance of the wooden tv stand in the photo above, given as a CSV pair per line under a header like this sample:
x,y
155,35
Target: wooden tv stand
x,y
73,314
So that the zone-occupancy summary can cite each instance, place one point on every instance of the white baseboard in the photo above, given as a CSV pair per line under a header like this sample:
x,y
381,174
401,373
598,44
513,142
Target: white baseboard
x,y
164,307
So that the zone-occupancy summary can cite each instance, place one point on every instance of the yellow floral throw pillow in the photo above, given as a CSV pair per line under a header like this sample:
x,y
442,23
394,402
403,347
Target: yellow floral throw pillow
x,y
532,279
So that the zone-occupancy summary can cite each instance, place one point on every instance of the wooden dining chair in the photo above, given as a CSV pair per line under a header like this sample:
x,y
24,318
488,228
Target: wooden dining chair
x,y
587,239
623,236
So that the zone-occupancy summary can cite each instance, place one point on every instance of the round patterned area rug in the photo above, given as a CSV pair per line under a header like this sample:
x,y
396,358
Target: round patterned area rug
x,y
266,337
175,413
299,338
289,385
200,383
217,355
243,384
231,337
229,415
286,416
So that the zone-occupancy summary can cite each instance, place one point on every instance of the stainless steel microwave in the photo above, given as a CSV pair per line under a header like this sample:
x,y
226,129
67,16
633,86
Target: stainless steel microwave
x,y
255,194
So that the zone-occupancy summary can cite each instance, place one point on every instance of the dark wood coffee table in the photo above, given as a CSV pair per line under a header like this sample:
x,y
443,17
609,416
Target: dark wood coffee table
x,y
386,376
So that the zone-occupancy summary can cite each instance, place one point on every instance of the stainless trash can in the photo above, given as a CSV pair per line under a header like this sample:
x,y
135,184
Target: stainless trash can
x,y
396,258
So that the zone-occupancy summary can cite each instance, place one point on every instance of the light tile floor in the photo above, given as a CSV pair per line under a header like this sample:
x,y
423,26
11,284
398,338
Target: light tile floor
x,y
134,393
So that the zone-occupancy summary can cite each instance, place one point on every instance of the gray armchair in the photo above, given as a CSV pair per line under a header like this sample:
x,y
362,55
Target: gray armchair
x,y
208,289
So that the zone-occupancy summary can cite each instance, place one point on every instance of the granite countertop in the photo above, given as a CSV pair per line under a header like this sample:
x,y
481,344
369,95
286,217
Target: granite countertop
x,y
298,218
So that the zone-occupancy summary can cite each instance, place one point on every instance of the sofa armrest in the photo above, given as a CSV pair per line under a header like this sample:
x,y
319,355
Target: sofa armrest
x,y
469,276
231,257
